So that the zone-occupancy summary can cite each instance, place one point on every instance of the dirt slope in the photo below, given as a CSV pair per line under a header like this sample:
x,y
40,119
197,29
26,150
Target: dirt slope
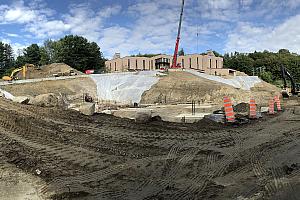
x,y
74,88
103,157
183,87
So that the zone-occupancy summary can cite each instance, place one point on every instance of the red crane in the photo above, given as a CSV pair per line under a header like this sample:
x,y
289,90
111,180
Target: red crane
x,y
174,64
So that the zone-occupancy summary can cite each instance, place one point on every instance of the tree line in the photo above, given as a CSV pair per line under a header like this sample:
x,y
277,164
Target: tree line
x,y
265,64
81,54
6,57
75,51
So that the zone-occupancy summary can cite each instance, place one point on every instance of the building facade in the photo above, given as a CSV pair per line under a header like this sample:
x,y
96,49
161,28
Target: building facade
x,y
207,63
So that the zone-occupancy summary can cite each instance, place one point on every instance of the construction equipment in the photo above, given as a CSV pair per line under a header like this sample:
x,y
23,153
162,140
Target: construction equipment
x,y
174,64
15,71
295,87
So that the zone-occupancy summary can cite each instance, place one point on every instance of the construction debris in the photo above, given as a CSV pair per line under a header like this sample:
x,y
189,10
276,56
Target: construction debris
x,y
87,108
47,100
21,99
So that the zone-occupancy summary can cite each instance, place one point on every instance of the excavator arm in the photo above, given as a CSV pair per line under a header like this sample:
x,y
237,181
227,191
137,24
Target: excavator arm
x,y
13,73
294,87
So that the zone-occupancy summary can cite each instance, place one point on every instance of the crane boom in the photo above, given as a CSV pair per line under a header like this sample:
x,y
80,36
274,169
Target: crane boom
x,y
174,64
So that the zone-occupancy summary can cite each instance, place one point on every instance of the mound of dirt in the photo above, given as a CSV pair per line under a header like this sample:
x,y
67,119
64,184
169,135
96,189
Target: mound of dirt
x,y
47,100
49,71
73,88
184,87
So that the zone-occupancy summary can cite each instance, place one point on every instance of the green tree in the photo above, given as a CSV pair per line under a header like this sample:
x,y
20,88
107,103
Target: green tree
x,y
32,54
217,54
268,61
45,57
20,61
6,58
267,76
284,51
77,52
2,56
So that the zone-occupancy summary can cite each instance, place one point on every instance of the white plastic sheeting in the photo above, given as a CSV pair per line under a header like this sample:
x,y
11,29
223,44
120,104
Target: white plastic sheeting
x,y
124,87
241,82
7,95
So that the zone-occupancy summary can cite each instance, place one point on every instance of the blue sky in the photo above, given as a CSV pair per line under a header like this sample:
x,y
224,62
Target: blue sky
x,y
150,26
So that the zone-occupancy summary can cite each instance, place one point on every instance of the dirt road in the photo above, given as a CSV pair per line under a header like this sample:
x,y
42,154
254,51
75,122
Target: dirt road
x,y
103,157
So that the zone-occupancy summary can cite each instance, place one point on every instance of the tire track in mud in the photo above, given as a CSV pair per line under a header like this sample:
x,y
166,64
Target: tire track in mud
x,y
177,148
151,187
271,180
75,155
99,175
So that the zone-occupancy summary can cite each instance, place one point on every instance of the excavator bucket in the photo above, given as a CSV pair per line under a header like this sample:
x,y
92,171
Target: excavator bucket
x,y
7,78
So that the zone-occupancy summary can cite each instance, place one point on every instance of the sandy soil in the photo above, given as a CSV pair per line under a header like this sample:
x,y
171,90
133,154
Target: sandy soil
x,y
104,157
71,87
183,87
47,71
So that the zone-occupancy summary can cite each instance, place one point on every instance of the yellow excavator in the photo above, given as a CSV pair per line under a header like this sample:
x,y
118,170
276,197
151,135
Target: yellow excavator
x,y
15,71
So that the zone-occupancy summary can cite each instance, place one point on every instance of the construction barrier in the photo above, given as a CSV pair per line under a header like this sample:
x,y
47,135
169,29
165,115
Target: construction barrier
x,y
278,104
252,113
271,107
228,110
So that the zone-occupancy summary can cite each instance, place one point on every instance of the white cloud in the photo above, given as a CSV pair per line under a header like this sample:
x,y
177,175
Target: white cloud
x,y
12,35
153,30
224,10
152,24
17,13
45,29
110,11
248,37
17,47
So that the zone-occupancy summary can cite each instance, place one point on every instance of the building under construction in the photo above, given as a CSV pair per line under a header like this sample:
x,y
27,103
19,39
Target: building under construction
x,y
207,63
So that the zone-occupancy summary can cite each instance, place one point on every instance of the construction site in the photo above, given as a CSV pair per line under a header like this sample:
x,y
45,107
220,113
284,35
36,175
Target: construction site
x,y
172,131
146,135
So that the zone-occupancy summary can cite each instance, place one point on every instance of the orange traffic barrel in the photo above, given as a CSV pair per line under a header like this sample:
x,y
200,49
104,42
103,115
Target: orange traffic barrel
x,y
228,110
252,113
278,104
271,107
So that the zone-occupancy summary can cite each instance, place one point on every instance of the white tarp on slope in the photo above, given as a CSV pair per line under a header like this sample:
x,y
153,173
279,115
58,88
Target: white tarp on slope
x,y
124,87
241,82
7,95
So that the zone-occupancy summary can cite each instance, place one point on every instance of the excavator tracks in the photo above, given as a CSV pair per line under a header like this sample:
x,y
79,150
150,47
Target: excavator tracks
x,y
103,157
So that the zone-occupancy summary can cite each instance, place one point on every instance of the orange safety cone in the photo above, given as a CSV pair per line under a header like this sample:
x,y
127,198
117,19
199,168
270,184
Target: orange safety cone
x,y
228,110
278,104
252,113
271,107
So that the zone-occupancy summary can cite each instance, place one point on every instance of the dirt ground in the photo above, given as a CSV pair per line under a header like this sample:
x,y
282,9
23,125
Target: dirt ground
x,y
74,88
183,87
104,157
47,71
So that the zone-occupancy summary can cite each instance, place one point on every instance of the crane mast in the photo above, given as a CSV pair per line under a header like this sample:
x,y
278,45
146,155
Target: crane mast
x,y
174,64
